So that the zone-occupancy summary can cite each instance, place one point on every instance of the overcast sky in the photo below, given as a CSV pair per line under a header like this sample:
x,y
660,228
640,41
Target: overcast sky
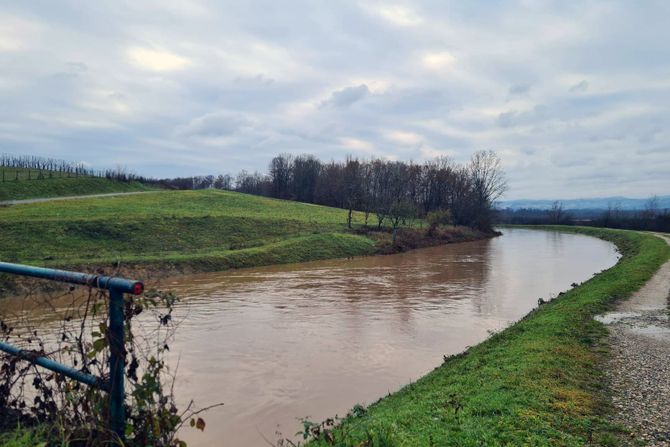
x,y
574,96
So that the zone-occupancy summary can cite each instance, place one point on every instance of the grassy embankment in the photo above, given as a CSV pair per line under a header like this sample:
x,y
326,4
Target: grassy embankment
x,y
58,185
205,230
539,382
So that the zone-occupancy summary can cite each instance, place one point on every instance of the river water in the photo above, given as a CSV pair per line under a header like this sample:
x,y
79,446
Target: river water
x,y
279,343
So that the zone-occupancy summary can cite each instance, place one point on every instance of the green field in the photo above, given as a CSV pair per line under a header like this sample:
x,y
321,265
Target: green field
x,y
206,230
537,383
28,186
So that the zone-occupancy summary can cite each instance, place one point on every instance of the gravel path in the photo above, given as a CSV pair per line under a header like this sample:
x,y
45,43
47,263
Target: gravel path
x,y
639,366
51,199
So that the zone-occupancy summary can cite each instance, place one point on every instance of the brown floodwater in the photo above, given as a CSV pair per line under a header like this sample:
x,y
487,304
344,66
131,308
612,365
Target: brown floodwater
x,y
279,343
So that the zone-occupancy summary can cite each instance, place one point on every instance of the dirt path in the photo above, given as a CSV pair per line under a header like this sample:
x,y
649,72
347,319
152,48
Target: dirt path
x,y
89,196
639,367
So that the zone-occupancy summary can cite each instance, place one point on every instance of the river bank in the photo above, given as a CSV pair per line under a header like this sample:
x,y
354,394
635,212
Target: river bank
x,y
538,382
156,235
156,268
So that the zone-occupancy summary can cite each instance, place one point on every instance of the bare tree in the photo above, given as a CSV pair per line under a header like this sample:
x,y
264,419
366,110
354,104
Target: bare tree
x,y
488,185
556,213
280,174
353,186
305,175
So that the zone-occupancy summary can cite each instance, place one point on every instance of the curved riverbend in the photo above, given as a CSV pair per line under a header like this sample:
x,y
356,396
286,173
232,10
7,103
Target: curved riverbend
x,y
283,342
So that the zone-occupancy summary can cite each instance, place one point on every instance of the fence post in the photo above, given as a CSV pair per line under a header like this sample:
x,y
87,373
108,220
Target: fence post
x,y
116,363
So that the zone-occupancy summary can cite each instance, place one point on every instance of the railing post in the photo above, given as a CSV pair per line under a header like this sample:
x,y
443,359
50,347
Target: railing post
x,y
116,363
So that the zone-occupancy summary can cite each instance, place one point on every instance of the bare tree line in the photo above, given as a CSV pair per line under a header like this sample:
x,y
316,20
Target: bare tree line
x,y
389,191
12,168
650,218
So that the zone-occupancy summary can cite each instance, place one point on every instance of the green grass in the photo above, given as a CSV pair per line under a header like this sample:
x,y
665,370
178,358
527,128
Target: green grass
x,y
208,230
58,185
22,437
537,383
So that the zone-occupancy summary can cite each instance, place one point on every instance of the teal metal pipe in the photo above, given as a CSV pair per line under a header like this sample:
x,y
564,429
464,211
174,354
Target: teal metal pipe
x,y
87,279
56,367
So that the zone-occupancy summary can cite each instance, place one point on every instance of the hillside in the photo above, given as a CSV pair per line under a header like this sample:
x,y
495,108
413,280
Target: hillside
x,y
213,229
28,186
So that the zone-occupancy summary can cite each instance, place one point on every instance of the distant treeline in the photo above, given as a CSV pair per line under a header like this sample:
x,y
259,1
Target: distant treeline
x,y
12,168
391,191
650,218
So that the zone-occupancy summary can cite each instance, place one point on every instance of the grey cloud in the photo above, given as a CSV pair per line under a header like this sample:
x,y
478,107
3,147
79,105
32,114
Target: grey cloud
x,y
512,118
655,150
346,97
259,79
580,87
216,124
519,89
508,119
77,66
569,160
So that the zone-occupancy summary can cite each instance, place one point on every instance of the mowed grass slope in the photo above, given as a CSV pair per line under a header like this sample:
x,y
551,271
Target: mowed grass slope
x,y
537,383
58,185
207,230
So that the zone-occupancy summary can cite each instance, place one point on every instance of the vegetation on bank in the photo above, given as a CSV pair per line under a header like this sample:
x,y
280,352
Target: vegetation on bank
x,y
539,382
23,437
22,183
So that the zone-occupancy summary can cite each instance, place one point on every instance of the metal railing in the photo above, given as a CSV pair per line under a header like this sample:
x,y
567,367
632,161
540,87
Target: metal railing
x,y
117,287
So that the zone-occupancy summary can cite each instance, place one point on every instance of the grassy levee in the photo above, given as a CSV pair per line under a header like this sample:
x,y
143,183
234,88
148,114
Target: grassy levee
x,y
538,382
179,230
59,186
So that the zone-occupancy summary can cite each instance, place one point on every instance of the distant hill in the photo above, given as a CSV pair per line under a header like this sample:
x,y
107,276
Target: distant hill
x,y
601,203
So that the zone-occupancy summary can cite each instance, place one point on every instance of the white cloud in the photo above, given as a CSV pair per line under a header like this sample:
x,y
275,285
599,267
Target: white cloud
x,y
438,60
402,137
357,144
251,58
18,34
156,60
399,15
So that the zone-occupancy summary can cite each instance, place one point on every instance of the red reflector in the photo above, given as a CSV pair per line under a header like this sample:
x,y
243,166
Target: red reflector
x,y
138,288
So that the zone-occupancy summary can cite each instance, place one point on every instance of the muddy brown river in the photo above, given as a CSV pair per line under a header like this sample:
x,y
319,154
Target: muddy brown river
x,y
279,343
